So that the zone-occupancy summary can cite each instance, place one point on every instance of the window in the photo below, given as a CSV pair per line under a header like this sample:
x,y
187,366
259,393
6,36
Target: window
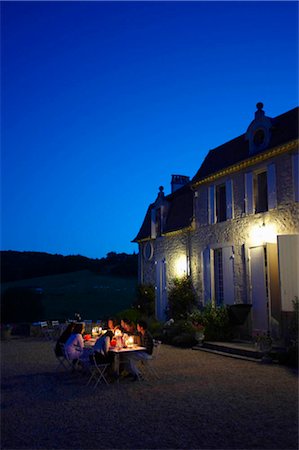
x,y
218,274
261,192
148,251
220,203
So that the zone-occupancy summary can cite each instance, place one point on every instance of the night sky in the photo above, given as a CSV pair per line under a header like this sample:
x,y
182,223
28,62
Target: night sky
x,y
103,101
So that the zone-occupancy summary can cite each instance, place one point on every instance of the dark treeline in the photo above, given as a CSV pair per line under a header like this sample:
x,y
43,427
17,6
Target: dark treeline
x,y
21,265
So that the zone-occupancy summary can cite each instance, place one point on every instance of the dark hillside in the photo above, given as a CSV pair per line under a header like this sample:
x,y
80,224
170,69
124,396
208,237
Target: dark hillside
x,y
23,265
60,296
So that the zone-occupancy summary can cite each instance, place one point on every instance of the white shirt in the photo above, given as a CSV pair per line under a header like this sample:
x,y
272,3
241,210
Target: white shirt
x,y
74,346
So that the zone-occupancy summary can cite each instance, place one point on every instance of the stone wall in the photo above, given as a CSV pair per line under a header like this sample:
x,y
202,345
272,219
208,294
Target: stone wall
x,y
241,232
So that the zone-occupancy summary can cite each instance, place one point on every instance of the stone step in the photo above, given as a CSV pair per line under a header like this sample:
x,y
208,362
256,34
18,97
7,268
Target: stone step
x,y
233,349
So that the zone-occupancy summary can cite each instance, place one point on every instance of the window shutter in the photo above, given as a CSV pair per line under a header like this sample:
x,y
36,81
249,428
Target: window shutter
x,y
271,181
296,176
153,224
211,201
207,275
229,199
249,193
228,275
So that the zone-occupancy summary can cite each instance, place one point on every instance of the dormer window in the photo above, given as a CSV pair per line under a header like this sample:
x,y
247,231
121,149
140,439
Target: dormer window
x,y
158,214
259,131
259,137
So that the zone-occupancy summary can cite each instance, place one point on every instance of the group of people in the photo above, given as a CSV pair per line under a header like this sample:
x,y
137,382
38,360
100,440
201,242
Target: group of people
x,y
72,339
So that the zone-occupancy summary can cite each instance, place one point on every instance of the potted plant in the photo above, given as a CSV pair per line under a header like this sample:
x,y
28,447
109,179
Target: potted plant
x,y
196,318
263,341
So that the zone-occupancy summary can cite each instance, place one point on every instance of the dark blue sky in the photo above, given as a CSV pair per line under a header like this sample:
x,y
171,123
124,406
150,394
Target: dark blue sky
x,y
103,101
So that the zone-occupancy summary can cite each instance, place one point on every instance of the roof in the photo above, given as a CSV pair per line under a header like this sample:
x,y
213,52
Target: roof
x,y
285,129
179,215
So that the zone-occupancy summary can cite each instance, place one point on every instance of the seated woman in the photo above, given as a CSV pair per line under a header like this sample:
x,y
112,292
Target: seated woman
x,y
63,338
74,346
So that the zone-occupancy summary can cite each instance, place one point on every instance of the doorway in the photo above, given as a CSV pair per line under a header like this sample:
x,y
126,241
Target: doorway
x,y
259,288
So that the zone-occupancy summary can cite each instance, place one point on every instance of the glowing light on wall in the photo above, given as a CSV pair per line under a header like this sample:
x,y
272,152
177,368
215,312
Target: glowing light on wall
x,y
181,266
263,233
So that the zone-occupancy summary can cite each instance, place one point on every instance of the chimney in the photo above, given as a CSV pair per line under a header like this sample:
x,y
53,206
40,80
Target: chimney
x,y
178,181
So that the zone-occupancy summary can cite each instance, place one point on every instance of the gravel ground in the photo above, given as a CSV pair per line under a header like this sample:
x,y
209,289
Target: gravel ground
x,y
202,401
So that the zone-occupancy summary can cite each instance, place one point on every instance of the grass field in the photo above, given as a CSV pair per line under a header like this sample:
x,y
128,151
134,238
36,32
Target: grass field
x,y
92,295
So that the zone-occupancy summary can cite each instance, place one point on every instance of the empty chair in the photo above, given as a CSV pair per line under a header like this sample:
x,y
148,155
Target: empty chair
x,y
55,326
97,371
148,365
47,332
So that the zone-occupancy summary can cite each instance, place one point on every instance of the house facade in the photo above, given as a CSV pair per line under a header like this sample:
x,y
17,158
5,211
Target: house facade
x,y
234,227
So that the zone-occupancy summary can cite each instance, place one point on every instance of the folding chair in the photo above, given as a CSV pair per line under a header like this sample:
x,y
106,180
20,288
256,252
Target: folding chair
x,y
97,372
55,326
71,363
46,331
62,360
149,364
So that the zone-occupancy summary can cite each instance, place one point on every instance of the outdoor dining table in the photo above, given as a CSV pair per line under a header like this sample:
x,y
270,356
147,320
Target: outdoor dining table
x,y
117,351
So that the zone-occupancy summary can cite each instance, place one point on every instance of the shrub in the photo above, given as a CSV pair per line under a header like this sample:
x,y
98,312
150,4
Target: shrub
x,y
155,327
131,314
181,298
145,302
216,323
176,333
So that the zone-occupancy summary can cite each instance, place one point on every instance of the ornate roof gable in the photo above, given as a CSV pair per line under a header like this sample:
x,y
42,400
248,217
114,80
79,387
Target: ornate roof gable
x,y
259,131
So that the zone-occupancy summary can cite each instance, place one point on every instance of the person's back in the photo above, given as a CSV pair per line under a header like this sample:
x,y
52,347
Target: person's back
x,y
75,344
101,349
147,341
63,339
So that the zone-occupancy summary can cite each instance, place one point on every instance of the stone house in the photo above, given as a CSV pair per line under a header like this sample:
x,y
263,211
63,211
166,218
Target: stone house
x,y
234,227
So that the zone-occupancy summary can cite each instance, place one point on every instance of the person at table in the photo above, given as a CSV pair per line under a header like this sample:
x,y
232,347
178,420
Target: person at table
x,y
146,340
63,338
128,327
74,346
101,350
111,328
